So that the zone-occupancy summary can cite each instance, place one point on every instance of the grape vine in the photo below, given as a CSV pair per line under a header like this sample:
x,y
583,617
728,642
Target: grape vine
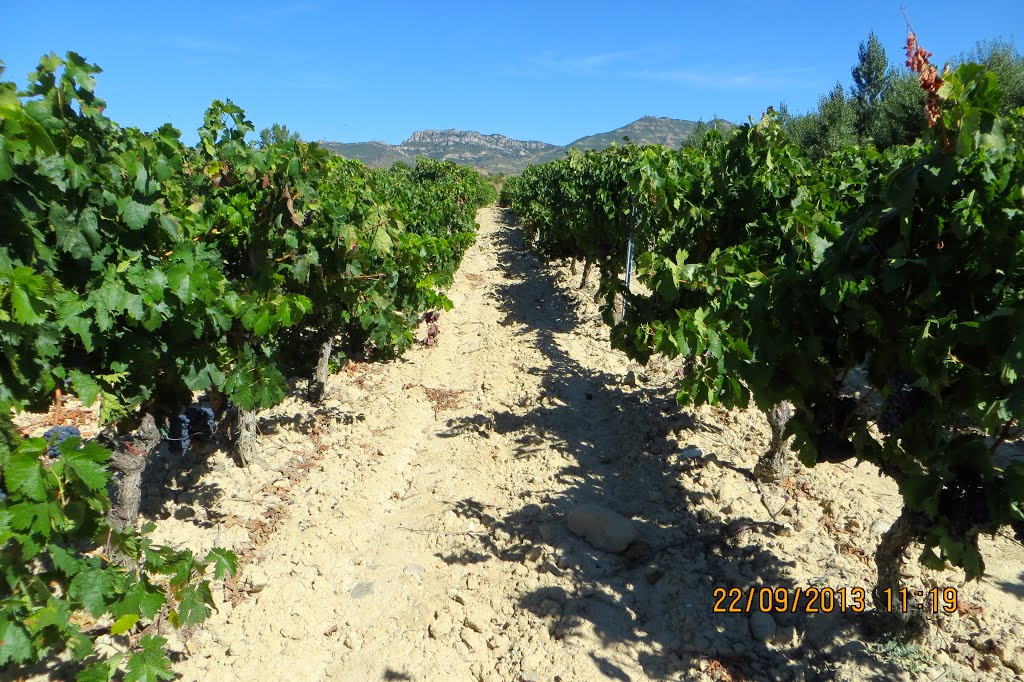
x,y
140,273
782,277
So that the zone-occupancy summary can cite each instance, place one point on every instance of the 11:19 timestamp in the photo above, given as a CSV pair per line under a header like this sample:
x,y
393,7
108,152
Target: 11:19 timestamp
x,y
935,600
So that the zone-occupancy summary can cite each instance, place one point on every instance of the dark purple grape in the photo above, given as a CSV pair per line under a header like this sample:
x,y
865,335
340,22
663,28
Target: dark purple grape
x,y
56,435
899,405
178,434
202,421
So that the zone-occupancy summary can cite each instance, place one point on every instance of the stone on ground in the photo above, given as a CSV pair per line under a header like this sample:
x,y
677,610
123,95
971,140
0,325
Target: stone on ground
x,y
602,527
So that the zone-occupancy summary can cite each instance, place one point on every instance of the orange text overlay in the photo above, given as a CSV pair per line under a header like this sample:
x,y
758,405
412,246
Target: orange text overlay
x,y
792,600
830,599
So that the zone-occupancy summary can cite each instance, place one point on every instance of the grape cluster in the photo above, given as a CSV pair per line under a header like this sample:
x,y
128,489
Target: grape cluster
x,y
178,433
900,404
196,420
202,421
1018,531
57,435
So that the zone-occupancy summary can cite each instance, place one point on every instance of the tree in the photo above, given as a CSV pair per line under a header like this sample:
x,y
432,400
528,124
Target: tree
x,y
870,79
696,136
829,129
277,133
1002,59
899,117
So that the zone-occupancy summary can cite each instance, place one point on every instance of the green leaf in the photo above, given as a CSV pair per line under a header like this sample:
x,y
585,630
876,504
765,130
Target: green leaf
x,y
195,605
179,279
91,587
15,645
24,472
36,518
151,663
6,170
225,562
88,464
140,598
818,246
27,309
100,671
124,623
171,227
382,243
76,236
261,325
199,377
64,561
49,616
932,560
87,388
135,215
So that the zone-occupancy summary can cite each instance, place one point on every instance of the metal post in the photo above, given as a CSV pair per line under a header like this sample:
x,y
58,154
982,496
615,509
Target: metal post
x,y
629,256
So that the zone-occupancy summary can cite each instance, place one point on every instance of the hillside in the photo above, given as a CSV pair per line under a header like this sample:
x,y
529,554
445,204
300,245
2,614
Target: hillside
x,y
501,154
670,132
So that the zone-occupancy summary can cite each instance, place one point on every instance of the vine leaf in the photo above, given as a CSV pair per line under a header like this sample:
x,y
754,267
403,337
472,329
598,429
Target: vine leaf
x,y
136,215
23,471
91,588
87,462
15,646
194,606
100,671
124,623
87,388
141,598
150,664
225,562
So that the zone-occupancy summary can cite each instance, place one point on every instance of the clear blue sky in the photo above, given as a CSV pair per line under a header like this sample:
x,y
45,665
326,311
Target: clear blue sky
x,y
551,71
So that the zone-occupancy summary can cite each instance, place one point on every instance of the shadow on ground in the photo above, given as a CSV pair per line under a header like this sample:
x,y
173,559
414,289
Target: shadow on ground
x,y
1014,588
657,598
176,481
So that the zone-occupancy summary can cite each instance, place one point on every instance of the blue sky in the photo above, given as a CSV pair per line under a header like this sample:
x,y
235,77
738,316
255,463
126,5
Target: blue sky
x,y
551,71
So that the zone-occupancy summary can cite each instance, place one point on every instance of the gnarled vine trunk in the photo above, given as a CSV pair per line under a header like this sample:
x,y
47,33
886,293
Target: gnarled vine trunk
x,y
128,459
890,557
774,464
587,265
248,437
618,309
322,370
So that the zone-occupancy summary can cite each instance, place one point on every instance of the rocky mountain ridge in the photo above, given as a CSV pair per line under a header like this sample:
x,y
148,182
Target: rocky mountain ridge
x,y
495,153
452,137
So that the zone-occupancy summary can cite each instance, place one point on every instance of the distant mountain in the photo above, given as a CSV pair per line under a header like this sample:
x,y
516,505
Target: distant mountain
x,y
500,154
370,153
492,153
671,132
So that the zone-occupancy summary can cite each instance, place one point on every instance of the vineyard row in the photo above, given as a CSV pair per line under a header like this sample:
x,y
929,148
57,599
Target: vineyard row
x,y
871,303
143,273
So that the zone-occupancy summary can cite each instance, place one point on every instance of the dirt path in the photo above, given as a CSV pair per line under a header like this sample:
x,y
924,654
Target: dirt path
x,y
423,536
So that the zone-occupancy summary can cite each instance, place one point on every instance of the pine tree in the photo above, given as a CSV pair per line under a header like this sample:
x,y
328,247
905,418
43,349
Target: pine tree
x,y
870,82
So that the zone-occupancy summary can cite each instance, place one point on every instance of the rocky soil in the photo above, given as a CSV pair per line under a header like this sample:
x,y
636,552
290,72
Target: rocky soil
x,y
519,503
